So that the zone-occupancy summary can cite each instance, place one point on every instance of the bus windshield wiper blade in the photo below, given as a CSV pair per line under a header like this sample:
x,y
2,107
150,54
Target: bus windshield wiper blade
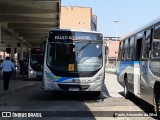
x,y
87,43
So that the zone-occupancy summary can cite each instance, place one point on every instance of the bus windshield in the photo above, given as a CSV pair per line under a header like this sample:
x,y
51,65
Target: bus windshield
x,y
82,55
36,61
60,55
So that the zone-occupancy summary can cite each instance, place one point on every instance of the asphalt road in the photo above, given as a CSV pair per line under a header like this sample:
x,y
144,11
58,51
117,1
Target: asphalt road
x,y
109,104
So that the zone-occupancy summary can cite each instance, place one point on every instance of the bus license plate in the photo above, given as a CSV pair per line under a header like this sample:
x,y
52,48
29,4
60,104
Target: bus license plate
x,y
73,89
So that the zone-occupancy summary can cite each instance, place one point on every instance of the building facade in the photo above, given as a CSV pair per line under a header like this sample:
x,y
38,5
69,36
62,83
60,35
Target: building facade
x,y
113,45
79,18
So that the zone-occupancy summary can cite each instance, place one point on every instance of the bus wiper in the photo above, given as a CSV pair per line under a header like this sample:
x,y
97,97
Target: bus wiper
x,y
87,43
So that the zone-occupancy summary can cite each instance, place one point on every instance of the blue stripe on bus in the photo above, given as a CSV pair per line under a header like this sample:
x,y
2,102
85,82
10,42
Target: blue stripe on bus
x,y
136,62
58,78
129,62
61,79
124,64
52,75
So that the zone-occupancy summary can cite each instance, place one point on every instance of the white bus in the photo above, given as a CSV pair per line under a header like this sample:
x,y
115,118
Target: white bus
x,y
139,68
35,63
74,61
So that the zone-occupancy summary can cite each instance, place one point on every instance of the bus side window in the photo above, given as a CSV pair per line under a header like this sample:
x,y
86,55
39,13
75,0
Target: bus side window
x,y
138,45
128,56
147,42
156,42
120,54
131,48
125,49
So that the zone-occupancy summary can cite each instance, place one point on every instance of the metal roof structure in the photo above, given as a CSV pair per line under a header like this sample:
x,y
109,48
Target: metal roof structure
x,y
31,20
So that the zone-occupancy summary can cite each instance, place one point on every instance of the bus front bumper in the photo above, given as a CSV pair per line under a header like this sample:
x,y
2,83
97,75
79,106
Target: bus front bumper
x,y
73,87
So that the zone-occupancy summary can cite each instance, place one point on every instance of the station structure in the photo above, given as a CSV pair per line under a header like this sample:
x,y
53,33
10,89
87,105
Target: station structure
x,y
25,23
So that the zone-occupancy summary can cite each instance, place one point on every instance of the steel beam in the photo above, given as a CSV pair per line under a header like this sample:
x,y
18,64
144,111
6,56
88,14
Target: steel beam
x,y
31,30
24,19
32,34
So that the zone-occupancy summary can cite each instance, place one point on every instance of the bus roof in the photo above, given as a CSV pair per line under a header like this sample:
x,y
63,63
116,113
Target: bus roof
x,y
73,30
153,22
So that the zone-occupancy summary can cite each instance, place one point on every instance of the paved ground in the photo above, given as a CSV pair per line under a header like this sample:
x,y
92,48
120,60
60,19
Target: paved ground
x,y
114,88
116,103
33,98
16,85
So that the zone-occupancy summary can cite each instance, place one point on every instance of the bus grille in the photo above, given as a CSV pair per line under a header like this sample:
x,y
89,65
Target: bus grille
x,y
66,87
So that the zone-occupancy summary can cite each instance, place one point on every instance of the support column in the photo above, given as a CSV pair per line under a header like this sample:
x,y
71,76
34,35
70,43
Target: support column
x,y
108,52
4,55
13,46
27,48
0,36
21,69
21,50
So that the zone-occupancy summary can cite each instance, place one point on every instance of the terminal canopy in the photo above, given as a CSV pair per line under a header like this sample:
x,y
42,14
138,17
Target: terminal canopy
x,y
28,20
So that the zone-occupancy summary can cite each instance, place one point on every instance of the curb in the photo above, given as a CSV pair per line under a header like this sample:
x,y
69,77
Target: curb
x,y
19,89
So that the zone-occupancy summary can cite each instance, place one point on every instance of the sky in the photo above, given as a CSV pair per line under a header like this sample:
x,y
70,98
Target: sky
x,y
131,14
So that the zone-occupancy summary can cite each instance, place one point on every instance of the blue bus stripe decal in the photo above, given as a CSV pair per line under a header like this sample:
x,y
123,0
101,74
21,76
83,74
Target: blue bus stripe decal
x,y
52,75
124,64
61,79
136,62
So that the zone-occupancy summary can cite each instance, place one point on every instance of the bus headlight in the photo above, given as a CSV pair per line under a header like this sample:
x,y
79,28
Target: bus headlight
x,y
98,78
31,71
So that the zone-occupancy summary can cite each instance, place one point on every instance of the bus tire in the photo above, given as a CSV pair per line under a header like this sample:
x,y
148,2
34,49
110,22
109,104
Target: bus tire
x,y
126,92
157,102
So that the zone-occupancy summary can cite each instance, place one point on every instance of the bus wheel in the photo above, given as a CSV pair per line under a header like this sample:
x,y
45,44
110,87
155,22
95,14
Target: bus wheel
x,y
126,92
157,101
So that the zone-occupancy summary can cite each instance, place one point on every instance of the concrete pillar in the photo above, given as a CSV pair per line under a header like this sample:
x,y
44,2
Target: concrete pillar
x,y
21,50
13,46
4,55
108,44
27,48
0,36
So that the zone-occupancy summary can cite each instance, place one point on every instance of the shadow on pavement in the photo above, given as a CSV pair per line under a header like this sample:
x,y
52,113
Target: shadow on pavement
x,y
66,105
146,107
72,95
